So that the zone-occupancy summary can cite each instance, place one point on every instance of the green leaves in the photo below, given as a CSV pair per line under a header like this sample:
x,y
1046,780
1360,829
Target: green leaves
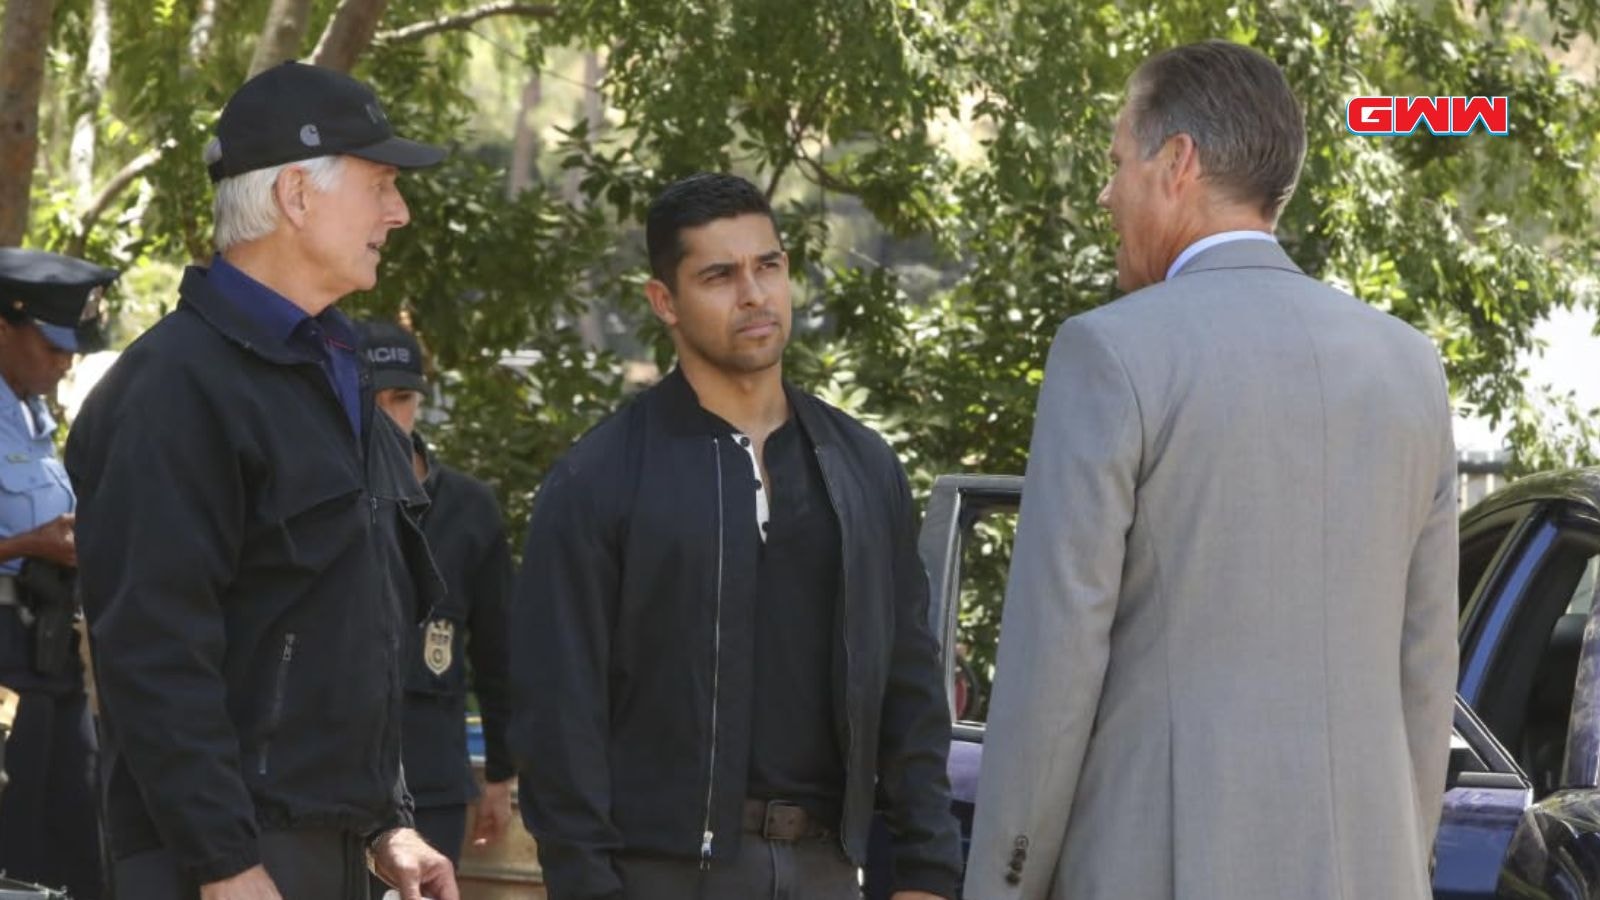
x,y
935,163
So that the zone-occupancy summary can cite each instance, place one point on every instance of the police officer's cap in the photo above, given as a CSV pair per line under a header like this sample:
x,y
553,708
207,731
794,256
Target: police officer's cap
x,y
293,112
60,294
394,355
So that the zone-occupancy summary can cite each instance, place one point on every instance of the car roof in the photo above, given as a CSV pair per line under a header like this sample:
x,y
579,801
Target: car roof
x,y
1577,486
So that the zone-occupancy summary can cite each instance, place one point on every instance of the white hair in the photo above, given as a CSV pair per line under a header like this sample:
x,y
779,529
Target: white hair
x,y
246,208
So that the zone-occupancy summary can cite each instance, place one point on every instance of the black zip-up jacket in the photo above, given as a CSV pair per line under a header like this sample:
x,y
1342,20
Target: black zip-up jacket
x,y
634,619
241,560
468,539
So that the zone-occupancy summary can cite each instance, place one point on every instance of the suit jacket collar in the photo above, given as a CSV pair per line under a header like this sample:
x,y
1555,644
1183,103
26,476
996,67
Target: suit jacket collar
x,y
1240,255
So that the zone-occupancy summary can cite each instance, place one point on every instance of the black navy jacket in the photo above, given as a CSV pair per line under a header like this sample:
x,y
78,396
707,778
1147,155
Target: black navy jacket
x,y
633,617
242,560
468,539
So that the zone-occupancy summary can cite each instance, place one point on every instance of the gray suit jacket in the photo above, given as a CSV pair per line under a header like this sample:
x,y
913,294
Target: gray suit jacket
x,y
1228,655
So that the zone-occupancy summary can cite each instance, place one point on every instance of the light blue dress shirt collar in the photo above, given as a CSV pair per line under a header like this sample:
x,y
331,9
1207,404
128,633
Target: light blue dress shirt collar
x,y
1212,240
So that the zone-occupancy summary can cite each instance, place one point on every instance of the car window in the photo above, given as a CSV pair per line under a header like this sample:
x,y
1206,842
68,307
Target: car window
x,y
1477,551
1583,596
1526,700
985,555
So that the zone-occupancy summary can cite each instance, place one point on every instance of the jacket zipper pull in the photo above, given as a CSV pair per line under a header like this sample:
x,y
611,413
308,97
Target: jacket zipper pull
x,y
374,501
705,850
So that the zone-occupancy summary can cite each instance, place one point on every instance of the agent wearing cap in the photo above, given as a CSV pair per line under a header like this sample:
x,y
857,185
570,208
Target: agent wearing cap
x,y
468,540
49,310
249,535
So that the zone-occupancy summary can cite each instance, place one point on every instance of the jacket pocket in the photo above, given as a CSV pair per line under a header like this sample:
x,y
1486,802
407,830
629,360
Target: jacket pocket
x,y
280,685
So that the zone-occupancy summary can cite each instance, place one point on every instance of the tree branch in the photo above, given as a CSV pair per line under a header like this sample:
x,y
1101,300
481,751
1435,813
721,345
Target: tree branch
x,y
796,130
113,189
349,33
466,19
818,174
777,176
281,34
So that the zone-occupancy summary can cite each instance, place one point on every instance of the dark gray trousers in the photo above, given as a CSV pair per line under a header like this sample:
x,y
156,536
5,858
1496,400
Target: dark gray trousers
x,y
305,865
812,869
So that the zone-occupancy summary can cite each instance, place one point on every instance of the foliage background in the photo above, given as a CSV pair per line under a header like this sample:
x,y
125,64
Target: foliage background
x,y
935,164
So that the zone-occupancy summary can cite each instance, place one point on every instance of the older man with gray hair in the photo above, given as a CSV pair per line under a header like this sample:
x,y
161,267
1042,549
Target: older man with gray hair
x,y
1228,656
247,531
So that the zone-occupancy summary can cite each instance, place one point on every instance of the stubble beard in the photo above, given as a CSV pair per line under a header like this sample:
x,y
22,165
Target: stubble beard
x,y
736,362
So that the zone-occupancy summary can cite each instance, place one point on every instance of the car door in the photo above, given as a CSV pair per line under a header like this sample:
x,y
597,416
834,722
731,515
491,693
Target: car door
x,y
965,544
1530,668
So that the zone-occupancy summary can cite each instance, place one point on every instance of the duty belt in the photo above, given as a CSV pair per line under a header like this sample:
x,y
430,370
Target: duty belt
x,y
778,820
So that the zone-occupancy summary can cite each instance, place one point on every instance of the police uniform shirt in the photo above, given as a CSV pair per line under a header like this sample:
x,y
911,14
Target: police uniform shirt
x,y
34,488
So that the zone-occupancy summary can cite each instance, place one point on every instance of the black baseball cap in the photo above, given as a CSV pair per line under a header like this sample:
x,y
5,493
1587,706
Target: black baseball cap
x,y
393,354
295,111
59,294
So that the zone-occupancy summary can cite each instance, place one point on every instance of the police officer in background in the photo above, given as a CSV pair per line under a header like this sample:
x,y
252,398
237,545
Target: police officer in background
x,y
467,536
49,310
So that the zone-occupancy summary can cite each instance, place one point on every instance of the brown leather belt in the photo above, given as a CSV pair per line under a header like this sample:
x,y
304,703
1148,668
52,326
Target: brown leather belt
x,y
778,820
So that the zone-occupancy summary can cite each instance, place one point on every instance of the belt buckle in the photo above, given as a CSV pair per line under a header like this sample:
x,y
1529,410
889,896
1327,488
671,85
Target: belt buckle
x,y
775,808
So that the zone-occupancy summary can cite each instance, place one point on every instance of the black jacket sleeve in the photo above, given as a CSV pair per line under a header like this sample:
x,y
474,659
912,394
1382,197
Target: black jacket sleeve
x,y
402,809
914,743
562,612
160,524
487,636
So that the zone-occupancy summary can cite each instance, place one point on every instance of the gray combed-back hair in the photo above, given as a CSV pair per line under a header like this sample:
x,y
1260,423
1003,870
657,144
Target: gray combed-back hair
x,y
1235,104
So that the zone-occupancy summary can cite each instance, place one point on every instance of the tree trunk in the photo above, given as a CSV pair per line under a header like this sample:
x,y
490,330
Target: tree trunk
x,y
594,110
594,114
205,23
525,142
24,38
349,33
282,35
85,132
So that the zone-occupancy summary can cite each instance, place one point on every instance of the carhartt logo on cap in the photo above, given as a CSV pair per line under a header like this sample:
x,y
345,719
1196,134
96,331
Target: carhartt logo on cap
x,y
309,136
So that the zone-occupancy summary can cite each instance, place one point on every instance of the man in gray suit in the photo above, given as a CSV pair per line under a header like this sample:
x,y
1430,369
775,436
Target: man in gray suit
x,y
1228,658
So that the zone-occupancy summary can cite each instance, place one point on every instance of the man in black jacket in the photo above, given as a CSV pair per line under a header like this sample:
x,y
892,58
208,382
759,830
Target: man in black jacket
x,y
468,540
247,533
724,655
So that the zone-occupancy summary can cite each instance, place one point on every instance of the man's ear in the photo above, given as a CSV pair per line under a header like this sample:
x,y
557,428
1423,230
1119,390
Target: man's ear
x,y
1181,160
292,191
661,301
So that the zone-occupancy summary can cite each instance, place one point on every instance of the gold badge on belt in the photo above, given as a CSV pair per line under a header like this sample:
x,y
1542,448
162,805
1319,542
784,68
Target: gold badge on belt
x,y
438,645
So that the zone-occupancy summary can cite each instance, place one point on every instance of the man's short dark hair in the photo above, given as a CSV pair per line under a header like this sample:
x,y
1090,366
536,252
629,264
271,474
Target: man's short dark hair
x,y
1237,107
689,203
